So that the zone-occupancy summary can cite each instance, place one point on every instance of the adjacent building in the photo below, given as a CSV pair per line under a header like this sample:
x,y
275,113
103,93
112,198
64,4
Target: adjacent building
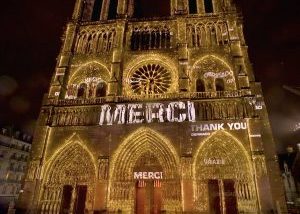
x,y
14,154
153,108
290,165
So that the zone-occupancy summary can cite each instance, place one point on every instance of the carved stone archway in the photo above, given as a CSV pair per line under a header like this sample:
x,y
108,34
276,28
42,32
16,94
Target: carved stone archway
x,y
221,157
211,68
72,166
142,143
90,75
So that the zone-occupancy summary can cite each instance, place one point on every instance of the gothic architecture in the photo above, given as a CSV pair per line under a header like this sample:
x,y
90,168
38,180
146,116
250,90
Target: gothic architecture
x,y
153,108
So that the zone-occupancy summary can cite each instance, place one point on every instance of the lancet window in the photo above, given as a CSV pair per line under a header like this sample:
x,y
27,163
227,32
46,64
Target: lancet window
x,y
95,10
95,42
192,6
208,5
81,92
208,34
151,38
89,89
89,81
101,89
112,11
200,87
220,86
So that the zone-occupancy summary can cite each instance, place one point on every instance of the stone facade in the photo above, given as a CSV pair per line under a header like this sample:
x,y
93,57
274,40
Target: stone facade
x,y
164,89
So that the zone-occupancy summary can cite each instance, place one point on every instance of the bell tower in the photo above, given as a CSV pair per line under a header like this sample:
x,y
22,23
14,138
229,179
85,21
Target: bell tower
x,y
153,88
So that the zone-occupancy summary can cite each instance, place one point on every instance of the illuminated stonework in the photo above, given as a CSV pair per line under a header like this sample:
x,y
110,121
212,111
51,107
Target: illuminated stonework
x,y
150,79
153,115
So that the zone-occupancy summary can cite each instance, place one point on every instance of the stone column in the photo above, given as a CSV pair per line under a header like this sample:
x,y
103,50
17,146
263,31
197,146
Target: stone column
x,y
187,184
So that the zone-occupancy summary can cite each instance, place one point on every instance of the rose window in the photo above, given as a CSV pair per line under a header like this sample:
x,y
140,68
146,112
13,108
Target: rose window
x,y
150,79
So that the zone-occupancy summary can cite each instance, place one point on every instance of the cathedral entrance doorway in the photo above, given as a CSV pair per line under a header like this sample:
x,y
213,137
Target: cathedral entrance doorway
x,y
223,176
80,198
145,175
222,197
148,197
69,182
79,205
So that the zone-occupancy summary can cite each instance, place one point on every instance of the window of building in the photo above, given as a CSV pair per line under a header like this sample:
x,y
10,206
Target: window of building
x,y
145,39
17,190
101,90
153,8
13,156
112,11
11,166
220,85
20,168
208,5
4,190
13,190
193,6
82,90
200,87
97,10
2,154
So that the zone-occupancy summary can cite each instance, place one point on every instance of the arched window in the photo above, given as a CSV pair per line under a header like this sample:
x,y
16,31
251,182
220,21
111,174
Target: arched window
x,y
220,85
193,6
4,190
208,5
200,87
112,11
145,39
151,8
101,90
97,10
82,90
13,189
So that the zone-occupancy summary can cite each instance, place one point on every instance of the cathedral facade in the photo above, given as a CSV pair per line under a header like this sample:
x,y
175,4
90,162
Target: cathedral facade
x,y
153,108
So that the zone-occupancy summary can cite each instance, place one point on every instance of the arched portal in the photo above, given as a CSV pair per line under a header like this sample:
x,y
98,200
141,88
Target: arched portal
x,y
147,151
223,176
69,181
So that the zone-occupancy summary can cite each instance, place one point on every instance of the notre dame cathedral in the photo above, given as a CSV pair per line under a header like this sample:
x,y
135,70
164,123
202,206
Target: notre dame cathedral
x,y
153,108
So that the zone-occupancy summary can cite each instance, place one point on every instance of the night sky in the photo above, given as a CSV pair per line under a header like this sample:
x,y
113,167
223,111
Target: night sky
x,y
30,42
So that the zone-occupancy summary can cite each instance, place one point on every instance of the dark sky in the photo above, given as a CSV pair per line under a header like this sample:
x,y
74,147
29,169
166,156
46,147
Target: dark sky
x,y
30,42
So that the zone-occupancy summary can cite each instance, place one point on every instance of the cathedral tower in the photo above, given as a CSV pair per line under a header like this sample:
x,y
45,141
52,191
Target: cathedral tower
x,y
153,108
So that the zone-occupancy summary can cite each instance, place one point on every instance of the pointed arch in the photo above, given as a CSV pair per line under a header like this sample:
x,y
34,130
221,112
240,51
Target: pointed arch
x,y
90,69
228,145
71,167
84,81
74,145
137,144
200,85
212,58
211,67
220,159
